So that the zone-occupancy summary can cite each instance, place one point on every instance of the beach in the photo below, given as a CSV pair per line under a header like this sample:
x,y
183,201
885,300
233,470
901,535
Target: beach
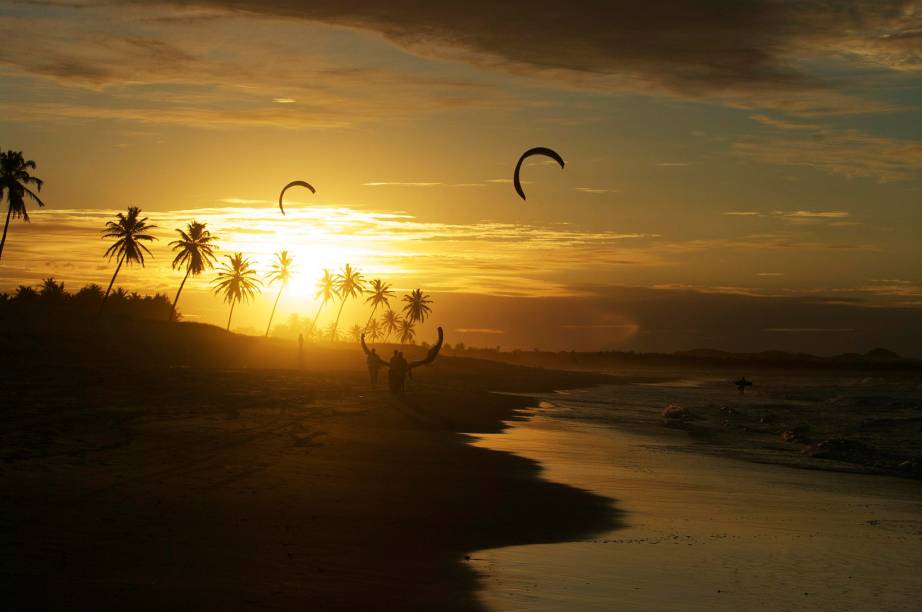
x,y
228,489
485,486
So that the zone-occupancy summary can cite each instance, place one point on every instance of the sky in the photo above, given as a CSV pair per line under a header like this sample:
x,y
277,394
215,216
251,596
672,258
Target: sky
x,y
739,175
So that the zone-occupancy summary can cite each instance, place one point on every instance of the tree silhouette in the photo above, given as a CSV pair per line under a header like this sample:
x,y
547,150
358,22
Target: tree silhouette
x,y
15,181
331,332
373,330
417,306
326,289
349,284
130,234
236,282
355,332
390,323
195,252
380,294
407,332
281,273
52,290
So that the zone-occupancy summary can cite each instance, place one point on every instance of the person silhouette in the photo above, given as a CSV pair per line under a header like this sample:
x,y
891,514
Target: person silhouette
x,y
393,368
374,363
398,367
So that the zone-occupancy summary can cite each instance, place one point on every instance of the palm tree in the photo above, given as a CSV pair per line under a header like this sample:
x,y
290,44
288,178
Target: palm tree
x,y
195,251
355,332
281,273
129,231
373,330
390,323
417,306
407,332
326,289
237,281
25,293
52,290
332,333
349,284
15,181
380,294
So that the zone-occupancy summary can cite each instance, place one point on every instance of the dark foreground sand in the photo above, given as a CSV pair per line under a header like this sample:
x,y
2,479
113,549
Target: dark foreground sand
x,y
207,489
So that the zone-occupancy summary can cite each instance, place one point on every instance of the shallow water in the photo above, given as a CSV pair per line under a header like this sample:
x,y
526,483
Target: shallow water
x,y
705,532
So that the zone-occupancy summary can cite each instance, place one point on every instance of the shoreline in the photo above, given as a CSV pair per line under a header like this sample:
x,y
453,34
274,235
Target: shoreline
x,y
233,489
714,533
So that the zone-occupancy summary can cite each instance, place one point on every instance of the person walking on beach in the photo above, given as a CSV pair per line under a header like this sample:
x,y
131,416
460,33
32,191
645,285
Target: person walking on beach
x,y
395,373
374,364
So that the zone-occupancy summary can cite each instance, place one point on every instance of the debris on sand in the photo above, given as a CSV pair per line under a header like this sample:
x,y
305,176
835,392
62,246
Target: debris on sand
x,y
794,438
678,413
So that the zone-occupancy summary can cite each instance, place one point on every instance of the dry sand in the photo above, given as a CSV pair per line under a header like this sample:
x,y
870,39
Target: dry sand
x,y
156,488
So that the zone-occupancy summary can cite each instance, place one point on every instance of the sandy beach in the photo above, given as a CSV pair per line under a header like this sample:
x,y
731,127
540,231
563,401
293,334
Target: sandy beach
x,y
158,488
234,488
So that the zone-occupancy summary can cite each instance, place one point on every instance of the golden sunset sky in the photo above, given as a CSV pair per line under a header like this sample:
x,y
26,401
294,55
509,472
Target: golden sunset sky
x,y
740,175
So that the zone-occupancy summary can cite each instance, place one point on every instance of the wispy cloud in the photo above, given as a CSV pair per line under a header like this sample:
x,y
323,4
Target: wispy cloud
x,y
675,164
401,184
595,190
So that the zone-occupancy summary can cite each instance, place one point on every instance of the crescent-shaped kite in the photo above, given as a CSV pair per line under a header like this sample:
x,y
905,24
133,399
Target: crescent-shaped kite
x,y
535,151
293,184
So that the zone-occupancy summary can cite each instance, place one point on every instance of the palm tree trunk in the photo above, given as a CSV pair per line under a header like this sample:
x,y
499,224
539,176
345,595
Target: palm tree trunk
x,y
336,325
271,316
176,299
316,316
111,282
370,317
6,225
234,303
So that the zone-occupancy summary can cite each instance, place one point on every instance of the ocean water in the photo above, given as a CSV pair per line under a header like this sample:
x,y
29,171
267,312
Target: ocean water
x,y
708,532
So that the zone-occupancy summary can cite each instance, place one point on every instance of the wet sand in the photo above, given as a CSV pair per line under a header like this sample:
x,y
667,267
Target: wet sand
x,y
704,532
212,489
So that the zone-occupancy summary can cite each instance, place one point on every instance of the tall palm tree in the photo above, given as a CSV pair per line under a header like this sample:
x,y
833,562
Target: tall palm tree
x,y
236,281
129,232
326,289
195,251
380,294
417,306
390,322
349,284
281,273
14,182
407,332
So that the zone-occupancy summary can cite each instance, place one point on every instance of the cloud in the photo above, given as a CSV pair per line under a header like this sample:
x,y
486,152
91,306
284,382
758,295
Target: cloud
x,y
848,153
756,54
673,164
595,190
399,184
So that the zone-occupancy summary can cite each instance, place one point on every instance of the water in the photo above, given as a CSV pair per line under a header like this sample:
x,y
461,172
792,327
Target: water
x,y
707,532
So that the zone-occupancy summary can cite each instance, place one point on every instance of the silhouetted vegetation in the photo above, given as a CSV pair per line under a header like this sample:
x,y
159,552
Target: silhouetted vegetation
x,y
51,302
195,251
15,183
130,233
236,282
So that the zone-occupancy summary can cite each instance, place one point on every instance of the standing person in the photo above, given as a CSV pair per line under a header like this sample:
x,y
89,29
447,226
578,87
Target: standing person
x,y
374,364
393,367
